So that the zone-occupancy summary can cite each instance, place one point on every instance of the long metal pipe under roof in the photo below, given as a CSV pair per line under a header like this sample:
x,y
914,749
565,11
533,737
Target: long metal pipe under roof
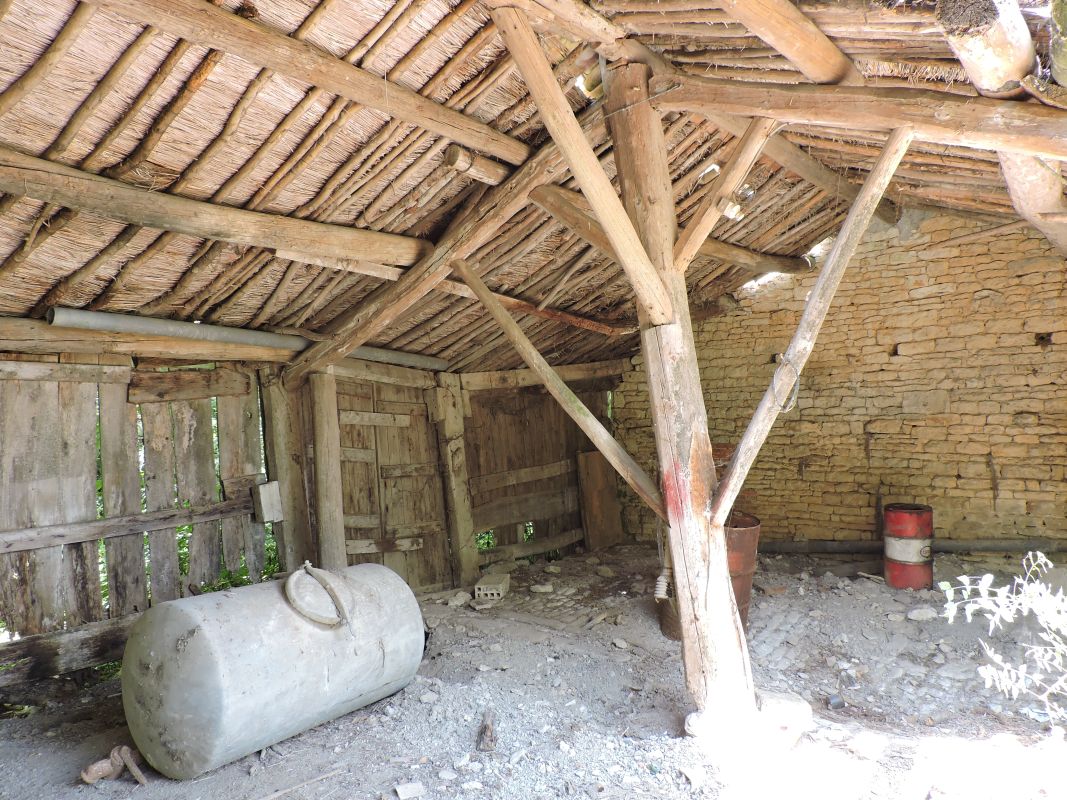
x,y
151,326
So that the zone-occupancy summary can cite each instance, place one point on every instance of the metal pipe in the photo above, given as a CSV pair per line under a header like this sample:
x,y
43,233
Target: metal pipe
x,y
773,546
151,326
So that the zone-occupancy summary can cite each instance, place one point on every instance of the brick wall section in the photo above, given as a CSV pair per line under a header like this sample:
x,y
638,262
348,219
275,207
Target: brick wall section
x,y
930,382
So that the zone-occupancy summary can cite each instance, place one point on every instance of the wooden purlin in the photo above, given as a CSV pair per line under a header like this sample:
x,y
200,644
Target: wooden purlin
x,y
936,117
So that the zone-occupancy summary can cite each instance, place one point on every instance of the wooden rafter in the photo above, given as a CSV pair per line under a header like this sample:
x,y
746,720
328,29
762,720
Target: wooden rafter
x,y
1027,128
567,134
200,22
569,208
580,21
66,186
467,233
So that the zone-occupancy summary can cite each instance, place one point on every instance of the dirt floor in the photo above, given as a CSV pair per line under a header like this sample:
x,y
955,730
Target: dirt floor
x,y
587,698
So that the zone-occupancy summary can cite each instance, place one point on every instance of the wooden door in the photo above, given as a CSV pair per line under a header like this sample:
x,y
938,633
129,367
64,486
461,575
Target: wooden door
x,y
392,490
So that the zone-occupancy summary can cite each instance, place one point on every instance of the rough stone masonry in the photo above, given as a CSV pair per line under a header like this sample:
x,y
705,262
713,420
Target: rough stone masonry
x,y
938,378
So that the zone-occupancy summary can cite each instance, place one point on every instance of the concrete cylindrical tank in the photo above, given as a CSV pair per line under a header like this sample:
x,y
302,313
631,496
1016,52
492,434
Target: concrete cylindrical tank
x,y
209,679
908,530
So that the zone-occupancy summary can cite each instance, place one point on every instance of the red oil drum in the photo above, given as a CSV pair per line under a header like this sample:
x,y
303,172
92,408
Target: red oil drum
x,y
908,530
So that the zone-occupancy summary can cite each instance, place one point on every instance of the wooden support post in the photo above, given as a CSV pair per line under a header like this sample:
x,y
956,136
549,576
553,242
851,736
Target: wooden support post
x,y
796,355
567,134
710,211
448,408
623,463
329,506
714,651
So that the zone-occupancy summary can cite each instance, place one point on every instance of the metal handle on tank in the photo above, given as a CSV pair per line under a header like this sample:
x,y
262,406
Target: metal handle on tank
x,y
325,580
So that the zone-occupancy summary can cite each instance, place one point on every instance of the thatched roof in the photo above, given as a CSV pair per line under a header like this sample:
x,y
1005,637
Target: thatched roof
x,y
194,119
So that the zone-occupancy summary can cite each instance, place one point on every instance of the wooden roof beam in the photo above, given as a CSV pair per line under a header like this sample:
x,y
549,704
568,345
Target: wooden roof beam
x,y
29,176
580,21
998,53
785,28
469,231
556,113
978,122
570,209
200,22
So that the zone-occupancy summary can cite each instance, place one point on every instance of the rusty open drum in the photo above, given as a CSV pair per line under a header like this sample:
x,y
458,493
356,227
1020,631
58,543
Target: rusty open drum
x,y
742,538
908,530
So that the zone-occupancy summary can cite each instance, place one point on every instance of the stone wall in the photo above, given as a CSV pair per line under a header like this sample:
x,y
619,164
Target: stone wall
x,y
938,378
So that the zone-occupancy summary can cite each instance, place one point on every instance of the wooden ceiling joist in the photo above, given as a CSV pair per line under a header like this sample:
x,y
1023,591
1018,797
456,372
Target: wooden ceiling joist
x,y
28,176
570,209
201,22
1027,128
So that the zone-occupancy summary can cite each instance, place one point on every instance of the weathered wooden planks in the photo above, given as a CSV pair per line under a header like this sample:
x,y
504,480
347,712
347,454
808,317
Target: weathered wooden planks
x,y
42,371
375,418
489,483
240,448
448,413
160,495
45,655
525,507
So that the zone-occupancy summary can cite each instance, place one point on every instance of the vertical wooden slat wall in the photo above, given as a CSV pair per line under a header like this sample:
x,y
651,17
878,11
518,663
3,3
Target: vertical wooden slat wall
x,y
51,435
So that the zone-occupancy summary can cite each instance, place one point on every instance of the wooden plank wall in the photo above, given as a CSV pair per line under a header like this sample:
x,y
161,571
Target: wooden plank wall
x,y
521,455
59,417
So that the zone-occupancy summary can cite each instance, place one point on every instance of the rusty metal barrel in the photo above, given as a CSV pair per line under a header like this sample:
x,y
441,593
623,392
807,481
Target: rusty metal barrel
x,y
908,531
742,539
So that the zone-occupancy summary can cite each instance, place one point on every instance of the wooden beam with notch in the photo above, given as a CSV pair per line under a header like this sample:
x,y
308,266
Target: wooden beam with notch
x,y
204,24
